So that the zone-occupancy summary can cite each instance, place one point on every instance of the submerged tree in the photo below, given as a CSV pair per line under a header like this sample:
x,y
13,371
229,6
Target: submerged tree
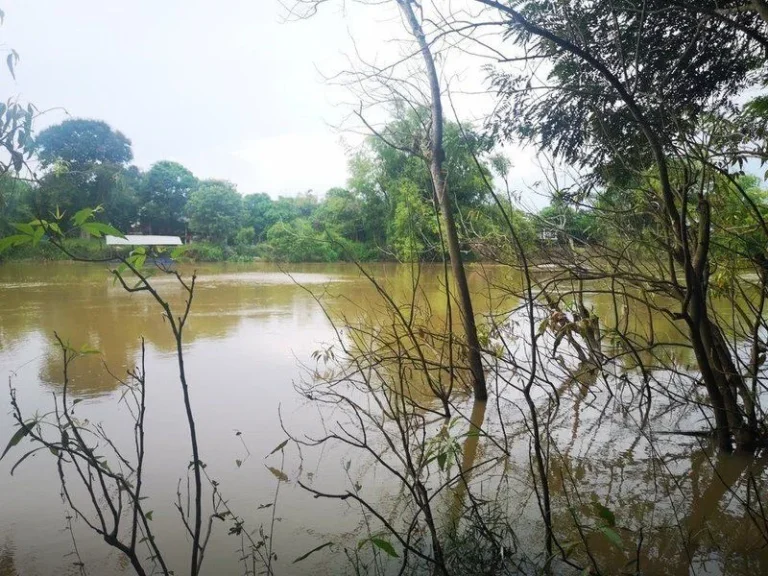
x,y
635,92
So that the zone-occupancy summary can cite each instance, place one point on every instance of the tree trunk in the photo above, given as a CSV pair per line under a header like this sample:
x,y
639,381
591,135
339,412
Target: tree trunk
x,y
437,157
722,380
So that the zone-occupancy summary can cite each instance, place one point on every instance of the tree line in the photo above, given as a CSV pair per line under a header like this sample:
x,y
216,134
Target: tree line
x,y
386,210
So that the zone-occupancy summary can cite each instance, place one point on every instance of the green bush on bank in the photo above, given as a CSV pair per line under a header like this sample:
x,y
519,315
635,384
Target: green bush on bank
x,y
87,248
209,252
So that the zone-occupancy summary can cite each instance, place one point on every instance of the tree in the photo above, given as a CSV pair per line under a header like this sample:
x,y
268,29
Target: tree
x,y
297,241
396,155
636,92
122,200
164,192
414,224
258,214
567,223
365,182
434,154
80,143
16,203
342,211
86,167
215,210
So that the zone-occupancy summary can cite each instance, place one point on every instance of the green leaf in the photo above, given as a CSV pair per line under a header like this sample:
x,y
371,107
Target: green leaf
x,y
149,514
308,554
179,251
442,458
82,215
14,240
27,455
605,514
386,546
543,326
38,235
100,228
120,270
23,430
279,446
612,536
279,474
24,228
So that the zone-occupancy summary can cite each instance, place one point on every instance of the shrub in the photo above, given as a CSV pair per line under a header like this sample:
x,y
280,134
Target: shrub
x,y
205,252
44,251
245,237
297,241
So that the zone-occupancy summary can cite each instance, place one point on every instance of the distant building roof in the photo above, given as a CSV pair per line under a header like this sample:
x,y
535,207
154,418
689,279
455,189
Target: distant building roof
x,y
143,240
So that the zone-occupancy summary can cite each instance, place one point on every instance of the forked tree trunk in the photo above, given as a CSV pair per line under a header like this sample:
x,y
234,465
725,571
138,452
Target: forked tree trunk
x,y
439,182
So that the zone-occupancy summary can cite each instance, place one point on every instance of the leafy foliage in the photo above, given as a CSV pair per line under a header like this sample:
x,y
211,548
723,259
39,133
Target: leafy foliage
x,y
80,143
164,192
297,241
215,210
631,63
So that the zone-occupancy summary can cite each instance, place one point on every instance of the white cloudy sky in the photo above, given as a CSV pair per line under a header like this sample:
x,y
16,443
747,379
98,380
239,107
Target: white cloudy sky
x,y
227,88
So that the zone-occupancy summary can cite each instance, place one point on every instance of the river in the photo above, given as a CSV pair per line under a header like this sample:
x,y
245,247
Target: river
x,y
252,333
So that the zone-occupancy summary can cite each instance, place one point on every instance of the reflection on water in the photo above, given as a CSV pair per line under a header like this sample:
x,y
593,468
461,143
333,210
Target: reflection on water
x,y
468,460
7,564
678,507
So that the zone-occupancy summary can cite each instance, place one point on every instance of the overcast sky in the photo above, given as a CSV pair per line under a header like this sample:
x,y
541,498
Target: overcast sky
x,y
227,88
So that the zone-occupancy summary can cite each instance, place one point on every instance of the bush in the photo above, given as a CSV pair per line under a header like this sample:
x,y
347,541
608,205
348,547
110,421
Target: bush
x,y
245,237
351,251
297,241
90,248
205,252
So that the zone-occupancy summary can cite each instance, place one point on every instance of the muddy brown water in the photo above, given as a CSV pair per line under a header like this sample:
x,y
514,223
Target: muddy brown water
x,y
252,328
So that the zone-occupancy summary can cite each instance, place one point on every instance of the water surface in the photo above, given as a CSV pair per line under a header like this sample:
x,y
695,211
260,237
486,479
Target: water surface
x,y
250,341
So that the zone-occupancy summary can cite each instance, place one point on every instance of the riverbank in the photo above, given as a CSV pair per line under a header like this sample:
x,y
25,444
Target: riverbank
x,y
92,249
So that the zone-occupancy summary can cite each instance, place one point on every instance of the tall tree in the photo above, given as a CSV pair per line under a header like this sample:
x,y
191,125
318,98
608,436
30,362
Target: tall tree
x,y
435,155
342,211
392,165
215,210
86,165
257,213
81,143
164,192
